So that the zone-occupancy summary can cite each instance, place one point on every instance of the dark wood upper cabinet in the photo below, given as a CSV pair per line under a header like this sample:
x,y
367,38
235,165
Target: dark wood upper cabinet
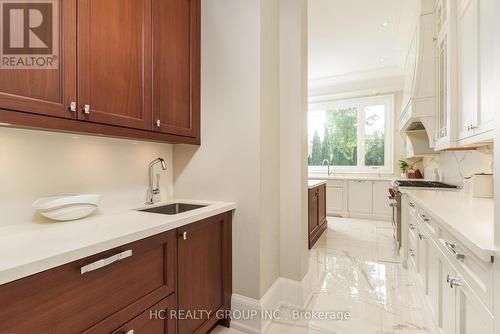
x,y
46,91
114,62
176,67
134,63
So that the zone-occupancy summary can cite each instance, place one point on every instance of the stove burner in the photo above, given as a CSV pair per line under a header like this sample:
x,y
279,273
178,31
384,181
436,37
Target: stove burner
x,y
424,184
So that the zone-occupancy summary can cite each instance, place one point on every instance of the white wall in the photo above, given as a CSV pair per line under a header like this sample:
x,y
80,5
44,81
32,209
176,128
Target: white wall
x,y
227,166
36,164
293,147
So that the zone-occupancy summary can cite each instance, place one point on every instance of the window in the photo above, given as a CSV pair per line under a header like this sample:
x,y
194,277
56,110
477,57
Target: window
x,y
354,136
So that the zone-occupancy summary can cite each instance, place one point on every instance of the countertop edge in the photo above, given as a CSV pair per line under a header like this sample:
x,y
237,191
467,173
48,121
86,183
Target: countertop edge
x,y
485,254
27,269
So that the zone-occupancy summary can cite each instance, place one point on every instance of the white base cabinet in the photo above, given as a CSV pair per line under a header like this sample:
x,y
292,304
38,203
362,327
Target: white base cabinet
x,y
456,287
358,199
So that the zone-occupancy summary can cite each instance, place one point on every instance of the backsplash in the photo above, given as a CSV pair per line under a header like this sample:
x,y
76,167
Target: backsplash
x,y
36,164
454,165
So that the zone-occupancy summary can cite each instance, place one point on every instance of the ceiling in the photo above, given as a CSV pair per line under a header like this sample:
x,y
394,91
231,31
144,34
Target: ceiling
x,y
353,39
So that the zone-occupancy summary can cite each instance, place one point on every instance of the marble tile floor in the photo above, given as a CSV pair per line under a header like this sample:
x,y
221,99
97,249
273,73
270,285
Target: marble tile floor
x,y
355,268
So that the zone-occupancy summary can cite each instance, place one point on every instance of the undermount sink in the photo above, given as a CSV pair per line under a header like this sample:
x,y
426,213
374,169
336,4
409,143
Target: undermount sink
x,y
173,209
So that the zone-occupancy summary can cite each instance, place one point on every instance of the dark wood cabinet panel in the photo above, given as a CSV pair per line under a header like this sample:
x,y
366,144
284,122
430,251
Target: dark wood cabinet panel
x,y
114,62
204,271
46,91
317,213
156,320
63,300
176,67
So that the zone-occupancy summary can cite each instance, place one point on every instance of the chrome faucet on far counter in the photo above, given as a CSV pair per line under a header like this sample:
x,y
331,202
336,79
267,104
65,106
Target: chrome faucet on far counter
x,y
328,163
154,191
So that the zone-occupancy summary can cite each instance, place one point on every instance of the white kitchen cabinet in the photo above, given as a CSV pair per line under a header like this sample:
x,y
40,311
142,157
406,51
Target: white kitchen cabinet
x,y
360,198
446,297
380,193
472,317
475,68
335,200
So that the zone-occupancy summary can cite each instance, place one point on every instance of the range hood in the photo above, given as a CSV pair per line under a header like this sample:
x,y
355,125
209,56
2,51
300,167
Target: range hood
x,y
417,141
419,98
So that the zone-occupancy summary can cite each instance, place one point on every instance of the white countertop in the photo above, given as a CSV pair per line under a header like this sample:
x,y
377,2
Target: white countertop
x,y
315,183
469,219
30,248
352,177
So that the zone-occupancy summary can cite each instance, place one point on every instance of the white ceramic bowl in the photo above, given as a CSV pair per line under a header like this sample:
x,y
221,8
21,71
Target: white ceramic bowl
x,y
67,207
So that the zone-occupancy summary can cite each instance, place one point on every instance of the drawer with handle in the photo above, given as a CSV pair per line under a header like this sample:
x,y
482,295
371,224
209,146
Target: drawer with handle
x,y
477,273
428,223
100,290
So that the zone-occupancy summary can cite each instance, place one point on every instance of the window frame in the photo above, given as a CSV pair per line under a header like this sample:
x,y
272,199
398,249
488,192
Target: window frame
x,y
360,104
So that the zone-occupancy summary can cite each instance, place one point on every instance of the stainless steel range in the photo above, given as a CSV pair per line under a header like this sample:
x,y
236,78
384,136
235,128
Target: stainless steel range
x,y
394,199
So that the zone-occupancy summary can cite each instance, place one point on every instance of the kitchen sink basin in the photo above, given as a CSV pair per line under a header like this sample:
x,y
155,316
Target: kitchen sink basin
x,y
173,209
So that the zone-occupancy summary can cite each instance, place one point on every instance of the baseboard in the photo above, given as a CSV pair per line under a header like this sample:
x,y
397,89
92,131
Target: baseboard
x,y
284,291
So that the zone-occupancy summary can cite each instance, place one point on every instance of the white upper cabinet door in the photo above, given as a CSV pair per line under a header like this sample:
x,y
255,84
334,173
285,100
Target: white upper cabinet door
x,y
487,91
360,196
467,67
380,193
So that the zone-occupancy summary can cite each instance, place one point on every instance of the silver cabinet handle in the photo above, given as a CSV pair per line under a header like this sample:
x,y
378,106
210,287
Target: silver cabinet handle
x,y
411,205
184,236
105,262
421,236
130,332
424,218
72,106
452,248
454,281
412,227
411,252
158,123
86,109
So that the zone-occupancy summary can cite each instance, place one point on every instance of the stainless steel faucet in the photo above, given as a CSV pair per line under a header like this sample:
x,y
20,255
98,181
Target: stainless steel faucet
x,y
154,191
326,160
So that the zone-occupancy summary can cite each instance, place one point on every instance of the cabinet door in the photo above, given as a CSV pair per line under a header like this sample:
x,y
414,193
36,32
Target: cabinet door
x,y
360,196
334,199
156,320
200,271
321,204
467,67
313,210
472,316
114,62
46,91
176,66
380,193
446,298
422,260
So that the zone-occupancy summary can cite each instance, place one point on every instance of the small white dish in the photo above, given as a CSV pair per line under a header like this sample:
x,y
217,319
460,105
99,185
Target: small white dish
x,y
67,207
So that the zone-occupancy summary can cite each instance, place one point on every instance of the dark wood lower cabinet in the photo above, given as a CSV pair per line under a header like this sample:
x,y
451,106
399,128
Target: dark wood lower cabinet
x,y
317,213
141,293
204,272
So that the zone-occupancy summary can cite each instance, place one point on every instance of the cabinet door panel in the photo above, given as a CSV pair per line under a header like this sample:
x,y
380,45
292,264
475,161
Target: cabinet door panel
x,y
313,211
446,299
380,193
467,67
360,197
200,265
46,91
335,199
114,61
176,66
321,204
